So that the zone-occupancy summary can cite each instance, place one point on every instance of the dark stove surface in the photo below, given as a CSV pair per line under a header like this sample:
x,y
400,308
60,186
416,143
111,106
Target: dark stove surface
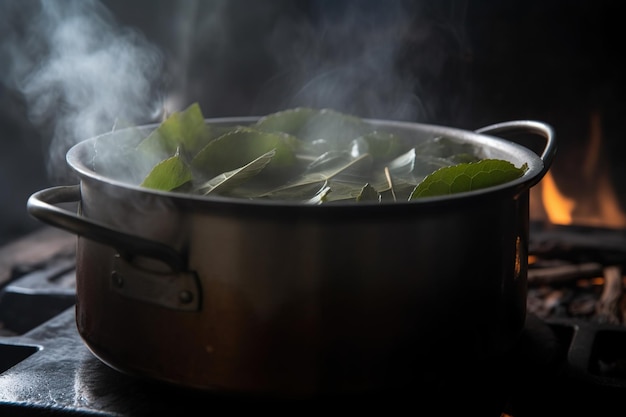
x,y
560,367
49,371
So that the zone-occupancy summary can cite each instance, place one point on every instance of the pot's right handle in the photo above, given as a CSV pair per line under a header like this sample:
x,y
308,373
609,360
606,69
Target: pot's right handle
x,y
44,206
528,126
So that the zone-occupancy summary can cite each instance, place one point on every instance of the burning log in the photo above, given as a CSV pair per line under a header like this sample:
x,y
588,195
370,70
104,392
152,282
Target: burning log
x,y
608,306
569,254
563,274
579,244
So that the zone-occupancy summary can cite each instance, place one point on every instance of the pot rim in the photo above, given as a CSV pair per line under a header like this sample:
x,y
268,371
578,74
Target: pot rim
x,y
518,154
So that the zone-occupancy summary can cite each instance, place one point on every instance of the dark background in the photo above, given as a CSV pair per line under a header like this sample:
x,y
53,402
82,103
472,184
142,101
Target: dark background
x,y
461,63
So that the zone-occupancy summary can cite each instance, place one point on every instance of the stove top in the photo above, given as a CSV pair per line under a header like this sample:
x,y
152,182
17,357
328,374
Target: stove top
x,y
560,367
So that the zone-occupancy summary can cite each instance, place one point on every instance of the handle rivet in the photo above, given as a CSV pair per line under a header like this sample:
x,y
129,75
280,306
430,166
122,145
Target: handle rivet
x,y
117,279
185,297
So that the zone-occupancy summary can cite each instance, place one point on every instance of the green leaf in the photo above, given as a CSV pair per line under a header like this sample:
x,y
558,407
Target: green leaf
x,y
168,174
319,130
312,124
368,193
321,196
403,165
441,152
401,190
467,177
311,180
308,155
384,145
290,121
343,191
232,179
186,129
125,163
240,146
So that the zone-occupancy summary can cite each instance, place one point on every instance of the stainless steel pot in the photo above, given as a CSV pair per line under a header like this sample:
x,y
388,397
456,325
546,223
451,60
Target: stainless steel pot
x,y
293,300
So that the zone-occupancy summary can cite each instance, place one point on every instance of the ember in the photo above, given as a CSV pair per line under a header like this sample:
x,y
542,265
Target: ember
x,y
576,272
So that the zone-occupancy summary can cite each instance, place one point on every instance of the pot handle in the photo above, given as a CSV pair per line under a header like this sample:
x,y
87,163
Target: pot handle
x,y
43,206
528,126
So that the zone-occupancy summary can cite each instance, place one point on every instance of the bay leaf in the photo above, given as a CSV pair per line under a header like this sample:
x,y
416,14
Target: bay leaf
x,y
241,145
169,174
186,129
227,181
467,177
310,180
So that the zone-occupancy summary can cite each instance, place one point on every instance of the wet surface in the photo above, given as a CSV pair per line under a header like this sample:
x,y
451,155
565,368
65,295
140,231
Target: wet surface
x,y
50,371
55,373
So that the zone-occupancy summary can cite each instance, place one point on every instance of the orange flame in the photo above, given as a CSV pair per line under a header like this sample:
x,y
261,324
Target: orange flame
x,y
596,202
558,207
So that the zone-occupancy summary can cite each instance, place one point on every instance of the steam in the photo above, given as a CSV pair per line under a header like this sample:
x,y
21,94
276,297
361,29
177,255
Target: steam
x,y
347,59
272,55
80,72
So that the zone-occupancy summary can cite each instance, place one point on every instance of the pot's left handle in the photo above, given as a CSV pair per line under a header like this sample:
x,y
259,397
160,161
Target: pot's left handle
x,y
43,205
177,289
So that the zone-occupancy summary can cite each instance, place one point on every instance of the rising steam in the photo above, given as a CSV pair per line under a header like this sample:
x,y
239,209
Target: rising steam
x,y
79,71
346,58
82,73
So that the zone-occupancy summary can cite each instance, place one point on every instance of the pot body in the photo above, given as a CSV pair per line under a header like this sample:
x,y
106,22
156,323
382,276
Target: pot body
x,y
298,303
293,300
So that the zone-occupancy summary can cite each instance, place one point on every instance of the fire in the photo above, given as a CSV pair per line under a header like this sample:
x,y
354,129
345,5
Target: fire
x,y
558,208
595,203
